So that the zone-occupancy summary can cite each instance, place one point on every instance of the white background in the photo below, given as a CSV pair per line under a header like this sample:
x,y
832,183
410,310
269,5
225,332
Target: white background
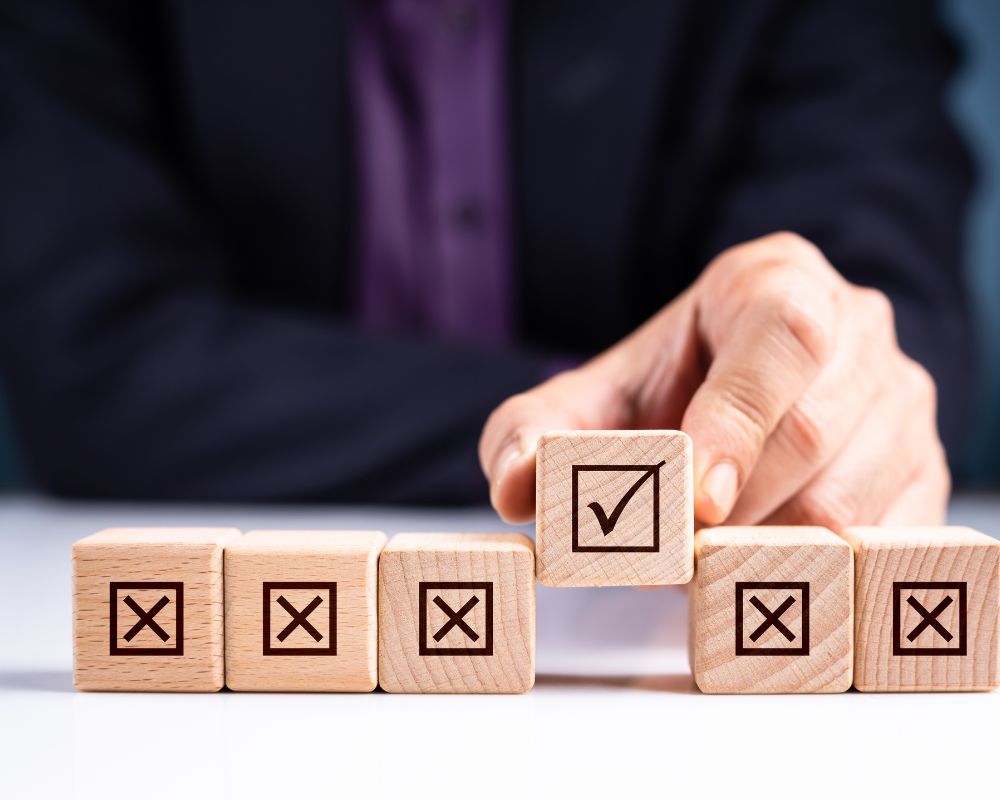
x,y
613,714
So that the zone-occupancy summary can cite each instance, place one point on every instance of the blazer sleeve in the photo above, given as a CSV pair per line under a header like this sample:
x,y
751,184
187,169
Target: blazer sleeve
x,y
842,135
132,368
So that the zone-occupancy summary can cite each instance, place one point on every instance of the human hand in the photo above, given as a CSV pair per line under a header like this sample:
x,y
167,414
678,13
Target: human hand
x,y
801,406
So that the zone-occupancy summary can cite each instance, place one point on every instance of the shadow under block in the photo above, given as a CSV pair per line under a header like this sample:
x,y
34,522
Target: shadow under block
x,y
928,609
614,508
457,613
301,611
772,611
148,610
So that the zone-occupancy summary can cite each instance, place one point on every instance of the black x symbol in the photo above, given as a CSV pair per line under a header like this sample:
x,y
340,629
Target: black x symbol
x,y
146,619
299,618
456,618
772,619
929,618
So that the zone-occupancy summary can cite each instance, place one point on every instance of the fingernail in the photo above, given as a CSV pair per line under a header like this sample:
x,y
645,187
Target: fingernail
x,y
720,484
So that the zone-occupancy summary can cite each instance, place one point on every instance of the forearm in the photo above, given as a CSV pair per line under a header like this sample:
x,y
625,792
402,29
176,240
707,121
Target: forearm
x,y
209,402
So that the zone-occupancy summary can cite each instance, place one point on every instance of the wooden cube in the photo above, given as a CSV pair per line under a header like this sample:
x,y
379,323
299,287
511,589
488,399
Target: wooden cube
x,y
147,610
301,612
457,613
927,609
772,611
614,508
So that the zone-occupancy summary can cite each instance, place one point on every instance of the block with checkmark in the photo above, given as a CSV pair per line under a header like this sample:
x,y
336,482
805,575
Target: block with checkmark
x,y
148,610
301,611
772,611
927,614
614,508
457,613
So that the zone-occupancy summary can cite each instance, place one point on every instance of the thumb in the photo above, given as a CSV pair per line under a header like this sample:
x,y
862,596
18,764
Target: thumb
x,y
577,399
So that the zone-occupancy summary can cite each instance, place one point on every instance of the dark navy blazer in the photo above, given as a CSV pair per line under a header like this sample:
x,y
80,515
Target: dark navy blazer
x,y
176,218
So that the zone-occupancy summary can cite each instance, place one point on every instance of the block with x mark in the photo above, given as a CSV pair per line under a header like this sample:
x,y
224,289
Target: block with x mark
x,y
457,613
927,609
462,625
771,610
300,611
151,613
147,609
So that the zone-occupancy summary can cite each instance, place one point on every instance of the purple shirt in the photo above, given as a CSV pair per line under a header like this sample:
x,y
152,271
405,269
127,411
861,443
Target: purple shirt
x,y
430,111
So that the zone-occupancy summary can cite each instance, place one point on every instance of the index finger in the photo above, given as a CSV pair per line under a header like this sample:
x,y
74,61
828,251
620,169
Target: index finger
x,y
764,360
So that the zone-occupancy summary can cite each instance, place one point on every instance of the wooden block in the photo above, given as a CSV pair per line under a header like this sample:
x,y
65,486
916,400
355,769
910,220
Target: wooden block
x,y
772,611
147,610
457,613
614,508
927,609
301,612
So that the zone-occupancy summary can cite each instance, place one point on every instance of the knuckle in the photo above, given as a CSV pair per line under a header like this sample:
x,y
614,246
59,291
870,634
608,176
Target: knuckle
x,y
827,509
747,262
747,408
728,264
799,319
772,249
807,435
787,242
877,308
791,248
920,383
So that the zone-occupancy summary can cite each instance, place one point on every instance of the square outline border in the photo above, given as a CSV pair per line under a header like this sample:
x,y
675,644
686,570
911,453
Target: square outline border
x,y
963,641
177,587
576,547
271,650
423,588
801,650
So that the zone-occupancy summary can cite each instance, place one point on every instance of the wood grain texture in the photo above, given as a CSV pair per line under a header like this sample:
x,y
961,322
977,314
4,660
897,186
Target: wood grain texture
x,y
610,535
262,569
954,555
726,656
190,557
498,571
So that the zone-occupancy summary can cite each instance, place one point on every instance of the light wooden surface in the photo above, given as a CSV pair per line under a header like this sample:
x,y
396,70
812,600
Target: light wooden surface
x,y
903,556
736,649
424,621
601,520
335,573
188,559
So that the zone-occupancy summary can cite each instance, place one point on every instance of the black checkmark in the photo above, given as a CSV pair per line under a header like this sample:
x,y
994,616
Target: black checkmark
x,y
608,523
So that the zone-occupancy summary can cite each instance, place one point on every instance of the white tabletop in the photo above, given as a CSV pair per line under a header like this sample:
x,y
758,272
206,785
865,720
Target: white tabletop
x,y
614,711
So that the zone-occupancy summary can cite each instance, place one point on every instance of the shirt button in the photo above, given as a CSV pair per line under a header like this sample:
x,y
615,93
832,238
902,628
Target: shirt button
x,y
467,215
461,17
